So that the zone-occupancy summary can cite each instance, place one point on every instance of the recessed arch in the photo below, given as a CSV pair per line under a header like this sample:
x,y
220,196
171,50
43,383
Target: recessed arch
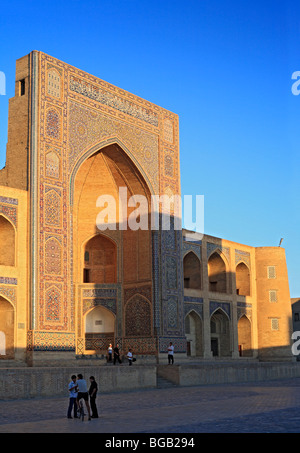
x,y
140,324
192,271
245,336
107,172
220,333
220,252
194,333
99,147
7,242
7,327
100,260
217,273
99,327
242,275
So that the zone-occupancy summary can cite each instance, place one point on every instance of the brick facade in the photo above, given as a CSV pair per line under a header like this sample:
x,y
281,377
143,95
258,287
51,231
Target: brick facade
x,y
71,138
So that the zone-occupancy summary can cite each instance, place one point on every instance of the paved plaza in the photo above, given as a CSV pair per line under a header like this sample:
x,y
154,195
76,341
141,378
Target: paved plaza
x,y
262,407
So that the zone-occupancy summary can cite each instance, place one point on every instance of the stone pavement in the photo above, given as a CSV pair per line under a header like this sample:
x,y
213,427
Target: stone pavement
x,y
262,407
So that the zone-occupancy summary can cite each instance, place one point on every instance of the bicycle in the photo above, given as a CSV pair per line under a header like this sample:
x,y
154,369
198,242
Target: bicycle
x,y
80,410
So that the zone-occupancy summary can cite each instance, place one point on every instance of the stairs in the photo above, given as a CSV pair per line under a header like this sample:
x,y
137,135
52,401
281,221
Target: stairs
x,y
163,383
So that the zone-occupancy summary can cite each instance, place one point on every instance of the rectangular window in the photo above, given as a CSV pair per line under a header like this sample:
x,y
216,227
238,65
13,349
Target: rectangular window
x,y
186,282
271,272
273,295
274,324
86,276
22,87
296,317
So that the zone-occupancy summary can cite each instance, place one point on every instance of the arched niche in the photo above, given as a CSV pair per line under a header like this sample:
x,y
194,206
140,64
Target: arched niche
x,y
7,329
100,260
191,270
220,334
194,334
7,242
217,274
242,274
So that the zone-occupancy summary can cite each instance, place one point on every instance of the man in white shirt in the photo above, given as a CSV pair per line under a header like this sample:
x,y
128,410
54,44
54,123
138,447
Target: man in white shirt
x,y
170,353
83,393
129,356
73,397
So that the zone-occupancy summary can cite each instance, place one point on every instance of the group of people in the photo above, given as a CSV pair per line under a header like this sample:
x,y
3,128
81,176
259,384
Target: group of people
x,y
78,386
117,355
113,354
78,390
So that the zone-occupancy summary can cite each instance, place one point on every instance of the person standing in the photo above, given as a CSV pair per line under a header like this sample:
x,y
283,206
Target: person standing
x,y
171,353
109,353
83,393
117,354
72,397
129,356
93,393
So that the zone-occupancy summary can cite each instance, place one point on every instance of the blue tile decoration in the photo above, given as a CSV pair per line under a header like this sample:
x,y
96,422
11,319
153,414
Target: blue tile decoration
x,y
225,306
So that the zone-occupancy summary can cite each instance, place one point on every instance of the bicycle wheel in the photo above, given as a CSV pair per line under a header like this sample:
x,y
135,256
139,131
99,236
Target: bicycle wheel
x,y
81,412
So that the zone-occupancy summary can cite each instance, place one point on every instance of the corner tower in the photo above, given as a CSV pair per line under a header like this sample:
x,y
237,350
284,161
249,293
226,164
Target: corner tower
x,y
274,313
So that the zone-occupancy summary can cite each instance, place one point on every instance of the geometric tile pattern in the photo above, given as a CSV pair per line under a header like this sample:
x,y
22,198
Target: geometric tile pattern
x,y
76,113
242,256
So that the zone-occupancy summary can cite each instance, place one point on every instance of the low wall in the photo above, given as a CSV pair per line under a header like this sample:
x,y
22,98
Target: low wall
x,y
222,373
44,382
20,383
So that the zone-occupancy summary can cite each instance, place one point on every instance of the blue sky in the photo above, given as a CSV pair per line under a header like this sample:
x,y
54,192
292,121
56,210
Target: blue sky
x,y
224,67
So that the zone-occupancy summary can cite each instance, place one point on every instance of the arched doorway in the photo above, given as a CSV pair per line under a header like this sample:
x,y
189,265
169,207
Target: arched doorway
x,y
7,329
220,334
217,275
99,329
242,280
191,269
245,337
194,334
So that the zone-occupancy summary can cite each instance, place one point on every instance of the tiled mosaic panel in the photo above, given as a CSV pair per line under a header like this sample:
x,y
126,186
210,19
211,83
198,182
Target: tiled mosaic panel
x,y
63,140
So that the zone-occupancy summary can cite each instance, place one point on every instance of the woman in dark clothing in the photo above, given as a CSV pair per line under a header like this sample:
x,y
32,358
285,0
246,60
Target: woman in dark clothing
x,y
93,393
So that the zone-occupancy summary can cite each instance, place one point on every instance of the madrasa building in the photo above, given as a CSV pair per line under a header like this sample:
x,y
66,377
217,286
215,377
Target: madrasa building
x,y
69,287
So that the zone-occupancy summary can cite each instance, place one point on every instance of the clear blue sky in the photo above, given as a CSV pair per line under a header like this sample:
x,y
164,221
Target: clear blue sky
x,y
224,67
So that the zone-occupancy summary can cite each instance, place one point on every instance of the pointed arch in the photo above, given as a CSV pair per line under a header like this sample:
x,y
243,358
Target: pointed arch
x,y
217,272
140,324
96,314
194,333
52,165
245,336
99,324
7,327
220,333
242,275
109,173
7,242
100,260
98,147
192,271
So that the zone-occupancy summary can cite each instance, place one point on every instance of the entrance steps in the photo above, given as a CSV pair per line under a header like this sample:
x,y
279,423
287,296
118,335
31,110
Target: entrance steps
x,y
163,383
